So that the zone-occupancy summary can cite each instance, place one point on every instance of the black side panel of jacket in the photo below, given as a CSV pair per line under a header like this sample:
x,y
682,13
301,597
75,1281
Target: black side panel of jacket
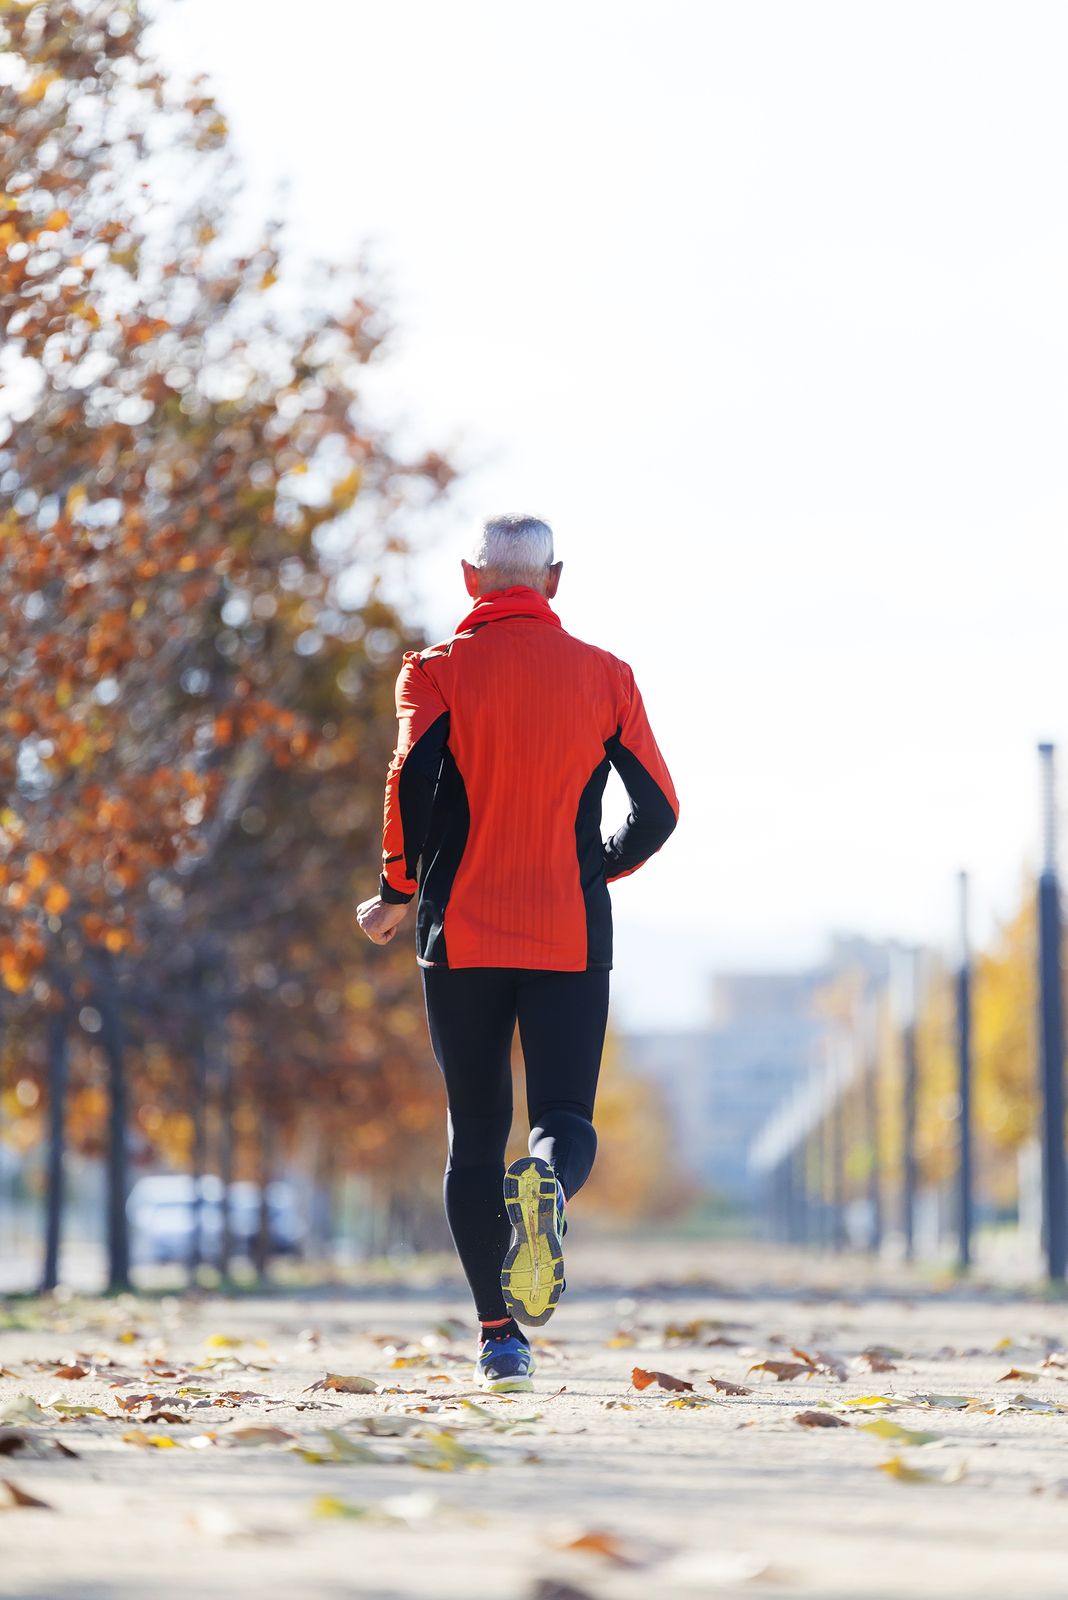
x,y
415,794
446,840
591,861
651,818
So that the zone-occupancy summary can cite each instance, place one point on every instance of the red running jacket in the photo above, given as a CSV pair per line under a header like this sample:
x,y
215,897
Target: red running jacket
x,y
493,797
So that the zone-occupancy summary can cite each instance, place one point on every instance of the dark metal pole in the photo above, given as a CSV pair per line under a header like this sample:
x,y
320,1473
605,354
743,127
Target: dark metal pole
x,y
838,1233
908,1110
871,1130
964,1085
58,1028
1051,1030
798,1162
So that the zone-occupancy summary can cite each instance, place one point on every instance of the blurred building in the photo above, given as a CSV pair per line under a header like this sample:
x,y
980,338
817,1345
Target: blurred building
x,y
763,1040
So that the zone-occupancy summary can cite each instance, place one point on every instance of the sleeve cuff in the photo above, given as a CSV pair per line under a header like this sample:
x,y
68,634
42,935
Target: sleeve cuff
x,y
390,896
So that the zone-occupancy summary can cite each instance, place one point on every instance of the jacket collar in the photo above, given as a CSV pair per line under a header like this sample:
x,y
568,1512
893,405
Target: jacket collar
x,y
519,601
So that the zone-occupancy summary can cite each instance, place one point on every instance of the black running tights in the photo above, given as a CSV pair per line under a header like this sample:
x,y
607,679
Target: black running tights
x,y
472,1013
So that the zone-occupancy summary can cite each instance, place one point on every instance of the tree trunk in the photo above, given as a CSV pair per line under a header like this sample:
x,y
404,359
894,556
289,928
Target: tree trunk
x,y
111,1039
58,1025
263,1235
226,1155
200,1095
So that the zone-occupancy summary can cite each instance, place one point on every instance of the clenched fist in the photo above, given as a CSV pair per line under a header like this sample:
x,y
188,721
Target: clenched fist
x,y
378,920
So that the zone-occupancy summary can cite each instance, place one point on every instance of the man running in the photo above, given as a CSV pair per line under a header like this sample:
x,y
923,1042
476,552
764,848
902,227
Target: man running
x,y
493,813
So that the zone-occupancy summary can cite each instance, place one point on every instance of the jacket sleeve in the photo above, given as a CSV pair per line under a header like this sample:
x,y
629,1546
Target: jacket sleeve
x,y
654,806
423,727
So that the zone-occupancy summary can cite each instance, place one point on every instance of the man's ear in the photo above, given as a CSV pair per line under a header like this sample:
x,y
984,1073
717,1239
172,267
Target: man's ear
x,y
471,577
554,579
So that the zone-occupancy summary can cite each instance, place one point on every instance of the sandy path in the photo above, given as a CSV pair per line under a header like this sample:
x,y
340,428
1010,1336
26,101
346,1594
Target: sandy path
x,y
732,1497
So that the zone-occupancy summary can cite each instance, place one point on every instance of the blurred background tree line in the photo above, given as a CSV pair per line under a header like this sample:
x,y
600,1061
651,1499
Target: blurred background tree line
x,y
196,668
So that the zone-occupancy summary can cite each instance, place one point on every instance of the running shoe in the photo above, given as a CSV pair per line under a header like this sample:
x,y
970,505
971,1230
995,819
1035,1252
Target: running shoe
x,y
505,1366
532,1278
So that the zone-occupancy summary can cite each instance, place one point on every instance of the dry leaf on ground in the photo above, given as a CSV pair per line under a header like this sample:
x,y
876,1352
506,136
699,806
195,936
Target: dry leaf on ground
x,y
875,1361
598,1542
641,1379
721,1386
897,1467
13,1498
783,1371
945,1402
883,1428
23,1408
256,1436
342,1383
820,1419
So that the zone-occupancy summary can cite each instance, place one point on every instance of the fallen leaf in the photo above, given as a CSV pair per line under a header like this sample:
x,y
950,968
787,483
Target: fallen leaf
x,y
329,1505
223,1341
155,1441
441,1451
18,1499
23,1408
1014,1375
342,1384
339,1448
1029,1402
870,1402
163,1416
641,1379
70,1372
553,1589
875,1361
598,1542
945,1402
392,1426
820,1419
66,1409
822,1361
897,1467
132,1402
255,1436
783,1370
883,1428
721,1386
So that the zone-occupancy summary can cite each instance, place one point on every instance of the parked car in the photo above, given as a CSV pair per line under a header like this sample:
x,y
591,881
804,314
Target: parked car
x,y
162,1214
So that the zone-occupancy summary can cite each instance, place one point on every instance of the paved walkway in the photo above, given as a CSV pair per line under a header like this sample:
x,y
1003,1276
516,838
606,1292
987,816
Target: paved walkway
x,y
242,1477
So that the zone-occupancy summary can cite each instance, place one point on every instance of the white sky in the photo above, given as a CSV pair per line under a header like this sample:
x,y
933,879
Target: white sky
x,y
765,307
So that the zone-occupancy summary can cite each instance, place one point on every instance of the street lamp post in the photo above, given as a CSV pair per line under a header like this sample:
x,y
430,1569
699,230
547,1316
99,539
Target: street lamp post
x,y
964,1083
870,1046
1051,1033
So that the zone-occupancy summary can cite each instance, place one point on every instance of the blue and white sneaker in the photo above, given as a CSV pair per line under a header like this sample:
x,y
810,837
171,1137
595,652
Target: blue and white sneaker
x,y
505,1366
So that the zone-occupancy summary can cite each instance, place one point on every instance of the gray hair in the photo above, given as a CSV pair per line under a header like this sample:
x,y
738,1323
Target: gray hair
x,y
515,549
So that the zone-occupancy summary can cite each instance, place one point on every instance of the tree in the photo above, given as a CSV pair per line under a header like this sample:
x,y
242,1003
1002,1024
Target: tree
x,y
186,476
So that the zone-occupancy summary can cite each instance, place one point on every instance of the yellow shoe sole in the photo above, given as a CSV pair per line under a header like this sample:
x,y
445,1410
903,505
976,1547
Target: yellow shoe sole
x,y
507,1385
532,1278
